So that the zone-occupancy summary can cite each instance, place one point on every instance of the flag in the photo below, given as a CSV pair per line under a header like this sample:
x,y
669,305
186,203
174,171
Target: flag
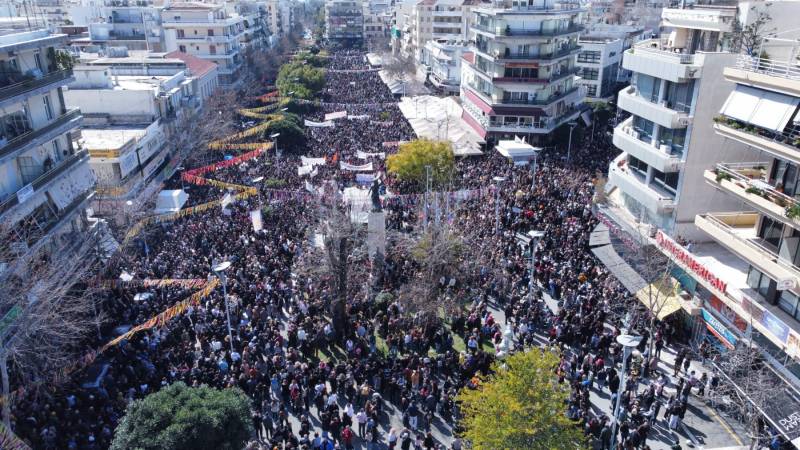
x,y
255,217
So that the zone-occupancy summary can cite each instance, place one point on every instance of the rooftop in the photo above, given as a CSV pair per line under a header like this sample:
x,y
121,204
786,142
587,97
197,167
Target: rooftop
x,y
197,66
111,138
191,5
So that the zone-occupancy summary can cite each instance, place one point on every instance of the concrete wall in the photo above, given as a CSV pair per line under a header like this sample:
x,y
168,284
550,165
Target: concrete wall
x,y
97,101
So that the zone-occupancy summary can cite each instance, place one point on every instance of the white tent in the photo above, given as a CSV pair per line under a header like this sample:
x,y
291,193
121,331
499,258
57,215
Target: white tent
x,y
170,201
517,151
440,119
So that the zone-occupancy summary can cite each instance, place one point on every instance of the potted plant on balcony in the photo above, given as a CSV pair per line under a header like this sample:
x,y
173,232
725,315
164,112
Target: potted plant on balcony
x,y
721,176
793,212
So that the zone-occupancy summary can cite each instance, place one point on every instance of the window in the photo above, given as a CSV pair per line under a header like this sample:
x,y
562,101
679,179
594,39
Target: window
x,y
589,56
760,283
182,48
679,96
637,164
15,124
644,127
212,49
589,73
787,301
784,176
674,138
591,90
211,32
37,58
181,34
668,181
521,72
771,232
648,87
28,169
48,109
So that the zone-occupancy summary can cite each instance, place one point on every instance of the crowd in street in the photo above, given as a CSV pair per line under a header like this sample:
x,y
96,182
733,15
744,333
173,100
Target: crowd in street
x,y
388,381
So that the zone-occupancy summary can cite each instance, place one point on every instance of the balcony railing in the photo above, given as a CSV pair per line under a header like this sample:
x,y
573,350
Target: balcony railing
x,y
507,31
659,47
752,176
552,78
553,55
789,136
783,69
23,140
45,178
29,85
540,102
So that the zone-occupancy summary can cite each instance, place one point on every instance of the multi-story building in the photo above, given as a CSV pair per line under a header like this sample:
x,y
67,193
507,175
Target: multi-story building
x,y
132,27
344,22
445,20
206,31
131,115
45,179
443,62
600,59
518,79
668,140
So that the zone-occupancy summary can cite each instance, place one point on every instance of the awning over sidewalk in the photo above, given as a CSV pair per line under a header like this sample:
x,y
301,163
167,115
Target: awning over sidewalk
x,y
632,281
660,297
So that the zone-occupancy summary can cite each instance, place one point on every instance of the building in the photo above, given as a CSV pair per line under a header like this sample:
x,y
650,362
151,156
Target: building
x,y
377,22
132,27
206,31
130,115
600,59
444,20
442,60
676,90
344,22
45,179
518,79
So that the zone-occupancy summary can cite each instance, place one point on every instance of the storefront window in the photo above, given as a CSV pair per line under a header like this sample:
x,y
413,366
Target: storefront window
x,y
759,282
788,302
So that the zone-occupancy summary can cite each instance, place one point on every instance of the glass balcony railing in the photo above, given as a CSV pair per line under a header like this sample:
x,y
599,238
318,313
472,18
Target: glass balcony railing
x,y
21,141
14,88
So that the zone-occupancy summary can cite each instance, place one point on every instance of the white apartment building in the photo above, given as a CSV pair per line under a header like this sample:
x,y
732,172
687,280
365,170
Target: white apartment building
x,y
45,181
518,79
443,62
132,27
600,59
344,22
129,119
206,31
435,20
676,89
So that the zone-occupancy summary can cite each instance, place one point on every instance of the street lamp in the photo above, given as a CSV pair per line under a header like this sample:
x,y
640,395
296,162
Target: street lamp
x,y
274,137
497,181
255,182
572,126
628,343
533,177
219,271
144,237
181,169
535,236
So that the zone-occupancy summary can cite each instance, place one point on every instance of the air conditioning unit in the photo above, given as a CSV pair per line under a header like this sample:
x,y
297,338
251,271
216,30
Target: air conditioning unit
x,y
666,148
684,121
635,134
663,103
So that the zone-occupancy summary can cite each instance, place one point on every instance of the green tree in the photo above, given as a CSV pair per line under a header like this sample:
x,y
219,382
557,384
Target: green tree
x,y
301,79
290,128
521,406
181,417
409,164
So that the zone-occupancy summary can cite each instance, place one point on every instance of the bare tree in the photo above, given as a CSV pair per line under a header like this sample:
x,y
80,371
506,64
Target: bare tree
x,y
748,38
47,309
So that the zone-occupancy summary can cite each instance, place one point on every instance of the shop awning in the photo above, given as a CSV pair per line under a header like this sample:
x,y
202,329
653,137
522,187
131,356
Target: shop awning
x,y
629,278
660,299
765,109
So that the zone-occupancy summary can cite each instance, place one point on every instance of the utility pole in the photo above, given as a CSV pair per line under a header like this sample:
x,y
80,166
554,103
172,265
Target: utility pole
x,y
427,193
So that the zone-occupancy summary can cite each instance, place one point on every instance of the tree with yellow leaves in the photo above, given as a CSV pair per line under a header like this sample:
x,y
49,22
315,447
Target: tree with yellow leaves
x,y
410,163
520,406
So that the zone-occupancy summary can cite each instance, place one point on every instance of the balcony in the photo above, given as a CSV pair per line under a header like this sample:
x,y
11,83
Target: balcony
x,y
34,85
664,159
719,20
212,39
67,121
633,184
781,76
736,231
784,145
541,57
505,31
553,78
539,102
748,182
46,178
652,57
659,113
544,126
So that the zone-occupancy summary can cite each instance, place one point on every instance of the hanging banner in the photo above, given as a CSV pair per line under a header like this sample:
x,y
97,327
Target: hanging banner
x,y
365,155
326,124
358,117
255,217
154,283
304,170
226,200
364,178
309,187
312,161
353,168
335,115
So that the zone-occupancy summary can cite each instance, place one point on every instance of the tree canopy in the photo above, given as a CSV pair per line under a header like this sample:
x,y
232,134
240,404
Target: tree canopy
x,y
290,128
521,406
301,79
181,417
410,162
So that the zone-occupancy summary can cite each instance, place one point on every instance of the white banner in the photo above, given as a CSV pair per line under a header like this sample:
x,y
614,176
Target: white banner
x,y
335,115
226,200
309,187
326,124
365,155
353,168
364,178
304,170
312,161
359,117
255,217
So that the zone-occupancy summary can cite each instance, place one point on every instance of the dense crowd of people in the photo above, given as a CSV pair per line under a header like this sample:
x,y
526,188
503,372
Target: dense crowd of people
x,y
388,381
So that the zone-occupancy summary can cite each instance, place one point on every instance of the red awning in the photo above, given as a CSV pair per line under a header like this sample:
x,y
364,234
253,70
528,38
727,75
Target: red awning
x,y
477,101
474,124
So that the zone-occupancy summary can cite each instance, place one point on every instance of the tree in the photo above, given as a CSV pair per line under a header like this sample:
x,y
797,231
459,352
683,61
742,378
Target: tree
x,y
182,417
303,80
411,163
748,38
46,310
520,406
290,129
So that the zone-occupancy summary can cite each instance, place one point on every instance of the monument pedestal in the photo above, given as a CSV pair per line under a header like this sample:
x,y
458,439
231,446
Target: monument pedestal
x,y
376,233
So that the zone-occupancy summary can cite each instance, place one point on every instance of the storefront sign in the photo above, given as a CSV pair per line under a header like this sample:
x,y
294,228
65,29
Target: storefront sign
x,y
25,193
768,320
719,330
725,311
684,257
